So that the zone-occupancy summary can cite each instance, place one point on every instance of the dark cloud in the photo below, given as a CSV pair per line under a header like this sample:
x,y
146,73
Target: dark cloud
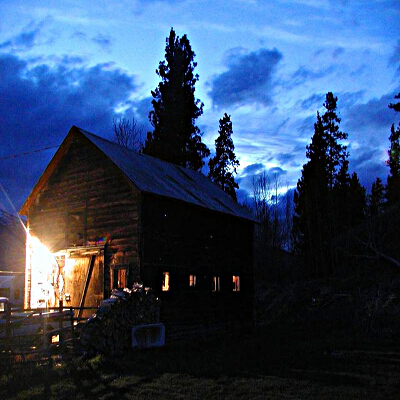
x,y
337,52
277,171
314,102
304,74
372,116
39,105
79,35
395,58
286,158
369,165
247,177
142,109
249,78
103,41
25,40
253,169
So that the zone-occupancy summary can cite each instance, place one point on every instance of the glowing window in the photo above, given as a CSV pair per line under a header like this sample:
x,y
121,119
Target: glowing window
x,y
192,281
216,284
165,283
236,283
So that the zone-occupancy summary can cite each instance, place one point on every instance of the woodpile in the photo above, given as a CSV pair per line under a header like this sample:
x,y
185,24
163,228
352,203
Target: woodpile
x,y
109,330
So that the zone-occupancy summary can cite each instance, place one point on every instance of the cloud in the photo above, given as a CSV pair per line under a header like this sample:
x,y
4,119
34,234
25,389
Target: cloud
x,y
287,158
395,57
314,101
253,169
103,41
246,178
249,78
142,108
303,74
371,116
337,52
369,164
25,40
39,105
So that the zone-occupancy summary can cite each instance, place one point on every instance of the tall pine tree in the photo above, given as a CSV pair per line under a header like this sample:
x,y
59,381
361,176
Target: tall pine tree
x,y
310,206
393,180
336,151
223,165
376,200
324,181
175,137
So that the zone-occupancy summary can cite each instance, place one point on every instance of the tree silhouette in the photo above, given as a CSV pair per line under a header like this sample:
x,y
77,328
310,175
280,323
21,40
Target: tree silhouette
x,y
336,152
357,203
223,165
322,192
127,133
393,180
175,137
310,205
376,200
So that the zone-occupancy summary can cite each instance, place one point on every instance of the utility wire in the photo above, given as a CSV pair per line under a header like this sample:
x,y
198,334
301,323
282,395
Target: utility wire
x,y
28,152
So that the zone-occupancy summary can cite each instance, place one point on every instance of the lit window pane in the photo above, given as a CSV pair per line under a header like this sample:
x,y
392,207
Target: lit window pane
x,y
236,283
165,283
192,280
216,284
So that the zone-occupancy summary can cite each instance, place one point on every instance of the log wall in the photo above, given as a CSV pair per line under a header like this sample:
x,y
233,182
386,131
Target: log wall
x,y
86,201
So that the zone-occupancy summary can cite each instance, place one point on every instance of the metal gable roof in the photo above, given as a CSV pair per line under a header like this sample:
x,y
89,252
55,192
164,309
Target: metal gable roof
x,y
161,178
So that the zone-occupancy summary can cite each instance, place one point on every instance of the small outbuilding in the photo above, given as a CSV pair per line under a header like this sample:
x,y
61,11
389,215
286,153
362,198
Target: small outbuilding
x,y
103,216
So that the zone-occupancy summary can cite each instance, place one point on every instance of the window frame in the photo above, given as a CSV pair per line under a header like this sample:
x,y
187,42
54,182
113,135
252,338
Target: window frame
x,y
236,283
216,284
165,285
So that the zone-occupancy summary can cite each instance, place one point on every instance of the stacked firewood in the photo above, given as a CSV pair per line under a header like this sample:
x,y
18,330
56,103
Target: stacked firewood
x,y
109,330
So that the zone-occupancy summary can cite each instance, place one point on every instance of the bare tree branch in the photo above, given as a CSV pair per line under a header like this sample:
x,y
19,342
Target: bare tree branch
x,y
128,133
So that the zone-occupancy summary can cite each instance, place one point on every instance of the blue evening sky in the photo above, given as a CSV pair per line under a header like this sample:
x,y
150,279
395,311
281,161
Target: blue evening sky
x,y
268,64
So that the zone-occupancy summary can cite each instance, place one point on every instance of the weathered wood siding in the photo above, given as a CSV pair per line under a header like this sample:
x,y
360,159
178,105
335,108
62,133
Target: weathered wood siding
x,y
87,200
83,283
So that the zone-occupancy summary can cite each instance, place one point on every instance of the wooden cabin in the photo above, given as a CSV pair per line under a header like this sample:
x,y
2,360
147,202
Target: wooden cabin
x,y
109,217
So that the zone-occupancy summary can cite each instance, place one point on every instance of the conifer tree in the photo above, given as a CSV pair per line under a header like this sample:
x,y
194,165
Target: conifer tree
x,y
336,151
393,180
175,137
223,165
376,200
317,217
310,205
357,201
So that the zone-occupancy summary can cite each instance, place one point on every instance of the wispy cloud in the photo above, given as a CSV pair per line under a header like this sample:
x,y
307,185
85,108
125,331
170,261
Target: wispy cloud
x,y
104,41
26,39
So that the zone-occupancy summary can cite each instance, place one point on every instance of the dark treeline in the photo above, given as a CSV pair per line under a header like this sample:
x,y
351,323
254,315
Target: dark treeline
x,y
337,228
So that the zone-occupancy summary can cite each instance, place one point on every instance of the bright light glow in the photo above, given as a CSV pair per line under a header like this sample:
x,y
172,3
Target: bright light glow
x,y
165,284
216,284
192,280
42,266
236,283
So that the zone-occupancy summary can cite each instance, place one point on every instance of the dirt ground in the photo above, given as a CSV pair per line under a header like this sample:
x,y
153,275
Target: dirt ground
x,y
261,364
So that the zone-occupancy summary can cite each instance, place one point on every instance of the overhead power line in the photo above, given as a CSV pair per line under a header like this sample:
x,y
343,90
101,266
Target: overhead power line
x,y
28,152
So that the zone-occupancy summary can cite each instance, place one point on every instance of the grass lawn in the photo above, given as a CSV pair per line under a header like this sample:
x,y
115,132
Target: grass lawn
x,y
263,364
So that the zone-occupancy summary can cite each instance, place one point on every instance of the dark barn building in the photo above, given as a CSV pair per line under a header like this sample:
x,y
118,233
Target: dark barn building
x,y
112,217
